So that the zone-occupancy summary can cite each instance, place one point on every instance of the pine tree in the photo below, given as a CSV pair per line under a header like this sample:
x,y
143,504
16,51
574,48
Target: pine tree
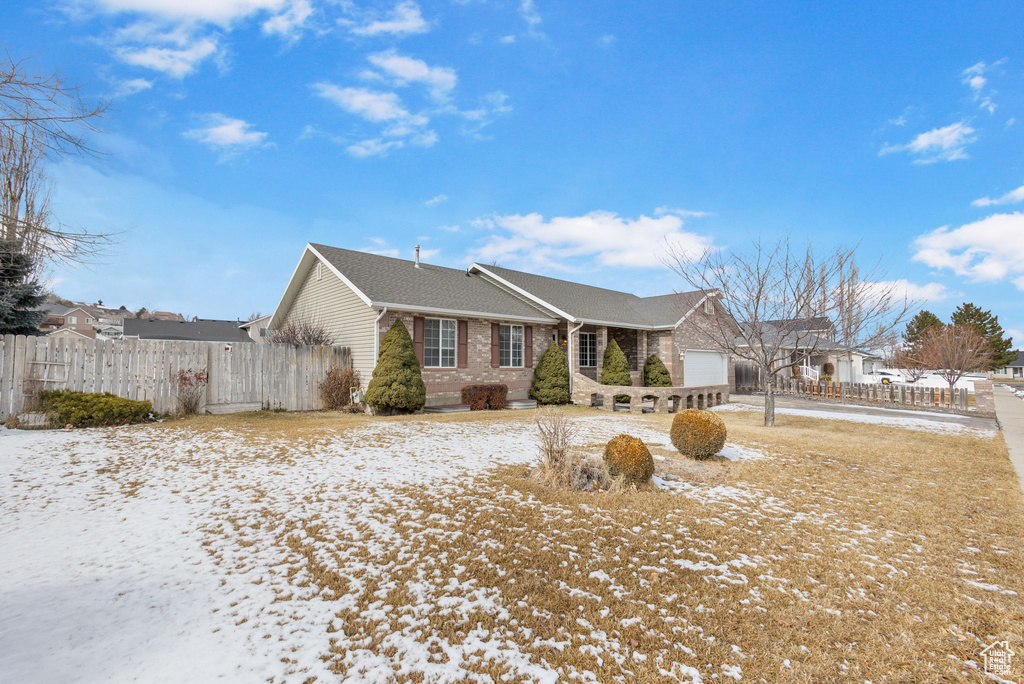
x,y
917,325
551,378
397,383
655,372
20,295
616,369
988,327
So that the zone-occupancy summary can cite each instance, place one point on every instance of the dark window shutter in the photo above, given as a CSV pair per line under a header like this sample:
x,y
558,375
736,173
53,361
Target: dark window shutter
x,y
495,345
463,344
417,337
528,346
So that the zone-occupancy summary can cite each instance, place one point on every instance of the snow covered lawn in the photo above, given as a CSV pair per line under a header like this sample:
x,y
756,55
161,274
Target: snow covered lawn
x,y
292,548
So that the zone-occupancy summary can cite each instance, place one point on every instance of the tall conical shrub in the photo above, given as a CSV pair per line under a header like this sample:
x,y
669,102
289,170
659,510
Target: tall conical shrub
x,y
655,372
616,369
397,384
551,378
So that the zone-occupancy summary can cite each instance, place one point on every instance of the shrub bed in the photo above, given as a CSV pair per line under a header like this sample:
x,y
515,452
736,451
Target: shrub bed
x,y
79,409
483,397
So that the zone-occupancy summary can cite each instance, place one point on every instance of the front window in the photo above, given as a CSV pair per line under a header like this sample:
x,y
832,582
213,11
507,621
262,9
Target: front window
x,y
439,343
588,350
510,352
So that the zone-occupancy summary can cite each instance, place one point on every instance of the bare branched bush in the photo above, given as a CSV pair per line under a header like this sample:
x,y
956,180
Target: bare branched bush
x,y
953,351
302,333
191,386
336,388
561,463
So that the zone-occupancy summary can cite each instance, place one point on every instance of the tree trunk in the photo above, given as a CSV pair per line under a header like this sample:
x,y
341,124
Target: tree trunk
x,y
769,404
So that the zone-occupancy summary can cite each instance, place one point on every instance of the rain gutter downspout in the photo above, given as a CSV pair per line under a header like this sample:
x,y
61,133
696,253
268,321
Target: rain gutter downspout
x,y
571,358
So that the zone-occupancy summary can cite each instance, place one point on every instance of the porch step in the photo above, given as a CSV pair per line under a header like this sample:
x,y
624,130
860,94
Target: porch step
x,y
521,404
449,408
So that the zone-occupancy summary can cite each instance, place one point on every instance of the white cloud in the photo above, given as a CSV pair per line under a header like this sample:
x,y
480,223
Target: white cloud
x,y
132,86
226,134
904,289
405,18
611,240
606,40
974,78
507,39
177,53
451,229
939,144
528,11
404,70
988,250
681,213
289,23
221,12
369,104
434,201
1011,197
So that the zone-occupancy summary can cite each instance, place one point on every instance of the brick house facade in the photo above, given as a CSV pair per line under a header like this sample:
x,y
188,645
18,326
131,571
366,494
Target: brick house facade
x,y
357,296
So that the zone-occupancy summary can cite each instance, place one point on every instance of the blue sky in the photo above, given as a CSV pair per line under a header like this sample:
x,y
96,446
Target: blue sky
x,y
564,138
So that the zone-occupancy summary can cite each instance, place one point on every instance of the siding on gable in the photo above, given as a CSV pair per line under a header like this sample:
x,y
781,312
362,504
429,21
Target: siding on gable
x,y
347,318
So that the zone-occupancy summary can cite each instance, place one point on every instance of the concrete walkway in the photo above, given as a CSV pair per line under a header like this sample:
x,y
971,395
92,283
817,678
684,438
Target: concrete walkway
x,y
1010,412
783,401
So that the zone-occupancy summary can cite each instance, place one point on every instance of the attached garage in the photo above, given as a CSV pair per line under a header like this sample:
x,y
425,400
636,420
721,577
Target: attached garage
x,y
701,368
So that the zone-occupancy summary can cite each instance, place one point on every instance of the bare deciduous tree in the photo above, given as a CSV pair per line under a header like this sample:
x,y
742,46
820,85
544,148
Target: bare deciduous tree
x,y
908,359
771,300
41,116
52,112
302,333
954,351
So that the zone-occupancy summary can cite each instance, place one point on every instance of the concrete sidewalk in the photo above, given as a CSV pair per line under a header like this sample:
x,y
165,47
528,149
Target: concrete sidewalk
x,y
787,401
1010,413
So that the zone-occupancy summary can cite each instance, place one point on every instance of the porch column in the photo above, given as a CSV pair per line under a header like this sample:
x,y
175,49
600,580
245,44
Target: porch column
x,y
641,349
602,344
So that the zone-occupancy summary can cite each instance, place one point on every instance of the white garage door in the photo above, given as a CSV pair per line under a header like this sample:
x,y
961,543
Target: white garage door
x,y
704,368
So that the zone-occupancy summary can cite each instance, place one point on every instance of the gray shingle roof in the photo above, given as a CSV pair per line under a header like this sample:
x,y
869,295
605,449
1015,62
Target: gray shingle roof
x,y
387,280
1018,362
203,330
592,303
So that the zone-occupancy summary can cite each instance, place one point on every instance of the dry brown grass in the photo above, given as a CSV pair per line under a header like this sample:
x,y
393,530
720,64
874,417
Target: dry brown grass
x,y
845,556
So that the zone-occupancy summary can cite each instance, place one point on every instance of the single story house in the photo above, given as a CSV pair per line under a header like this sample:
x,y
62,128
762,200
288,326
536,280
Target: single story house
x,y
200,330
257,329
1013,371
807,346
492,324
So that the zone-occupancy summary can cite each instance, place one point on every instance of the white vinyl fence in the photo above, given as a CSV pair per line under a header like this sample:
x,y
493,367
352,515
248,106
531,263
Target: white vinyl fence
x,y
242,377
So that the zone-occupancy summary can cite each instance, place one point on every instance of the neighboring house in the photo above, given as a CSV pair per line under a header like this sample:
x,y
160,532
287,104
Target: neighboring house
x,y
164,316
202,330
71,333
76,318
809,345
1013,371
491,324
257,329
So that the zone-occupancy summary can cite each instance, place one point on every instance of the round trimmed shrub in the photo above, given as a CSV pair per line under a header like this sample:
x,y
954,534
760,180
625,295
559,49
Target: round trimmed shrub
x,y
629,457
697,433
828,368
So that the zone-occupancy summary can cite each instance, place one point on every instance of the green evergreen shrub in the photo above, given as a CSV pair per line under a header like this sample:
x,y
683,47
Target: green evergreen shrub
x,y
615,370
629,457
698,434
397,383
655,372
551,377
79,409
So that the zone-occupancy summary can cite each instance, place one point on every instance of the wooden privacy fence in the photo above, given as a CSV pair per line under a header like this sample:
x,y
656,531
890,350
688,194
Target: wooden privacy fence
x,y
242,377
906,395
